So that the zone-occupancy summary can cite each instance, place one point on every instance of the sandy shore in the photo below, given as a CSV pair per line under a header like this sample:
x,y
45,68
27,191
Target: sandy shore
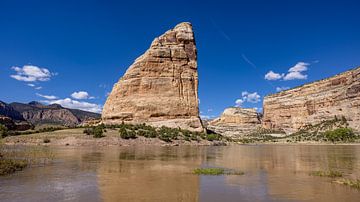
x,y
76,137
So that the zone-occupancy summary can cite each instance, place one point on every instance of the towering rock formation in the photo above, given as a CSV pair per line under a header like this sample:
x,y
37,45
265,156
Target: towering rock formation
x,y
161,86
236,122
312,103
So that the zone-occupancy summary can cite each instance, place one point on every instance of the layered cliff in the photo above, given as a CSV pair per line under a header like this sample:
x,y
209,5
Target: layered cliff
x,y
39,114
315,102
236,122
161,86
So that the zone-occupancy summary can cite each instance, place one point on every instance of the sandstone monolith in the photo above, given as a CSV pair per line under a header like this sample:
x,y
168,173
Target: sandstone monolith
x,y
161,87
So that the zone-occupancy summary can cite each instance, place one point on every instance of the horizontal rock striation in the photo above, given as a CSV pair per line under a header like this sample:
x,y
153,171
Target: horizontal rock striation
x,y
54,114
315,102
161,86
236,122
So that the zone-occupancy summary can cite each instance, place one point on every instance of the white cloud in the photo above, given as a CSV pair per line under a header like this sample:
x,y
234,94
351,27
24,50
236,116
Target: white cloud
x,y
49,97
30,73
295,75
273,76
253,97
247,97
81,95
278,89
295,72
299,67
239,102
34,86
74,104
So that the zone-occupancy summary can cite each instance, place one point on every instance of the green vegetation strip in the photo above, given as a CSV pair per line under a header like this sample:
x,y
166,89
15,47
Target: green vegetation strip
x,y
130,131
330,173
351,183
8,166
14,158
216,171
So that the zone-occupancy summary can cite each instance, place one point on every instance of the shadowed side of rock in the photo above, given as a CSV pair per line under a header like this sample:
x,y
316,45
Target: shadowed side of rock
x,y
161,86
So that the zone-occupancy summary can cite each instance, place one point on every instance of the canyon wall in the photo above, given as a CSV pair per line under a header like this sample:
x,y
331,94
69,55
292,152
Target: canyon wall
x,y
314,102
236,122
161,87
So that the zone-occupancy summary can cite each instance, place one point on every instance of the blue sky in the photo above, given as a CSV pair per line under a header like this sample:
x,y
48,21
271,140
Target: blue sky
x,y
88,45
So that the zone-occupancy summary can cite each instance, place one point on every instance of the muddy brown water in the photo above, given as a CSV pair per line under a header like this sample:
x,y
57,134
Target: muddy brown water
x,y
272,173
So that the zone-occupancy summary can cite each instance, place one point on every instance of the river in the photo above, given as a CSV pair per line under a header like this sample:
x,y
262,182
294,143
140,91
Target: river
x,y
271,173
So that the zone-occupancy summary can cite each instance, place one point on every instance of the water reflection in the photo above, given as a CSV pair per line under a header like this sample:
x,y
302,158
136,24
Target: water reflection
x,y
272,173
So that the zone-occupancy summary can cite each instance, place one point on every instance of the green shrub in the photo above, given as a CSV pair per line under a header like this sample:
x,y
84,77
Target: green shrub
x,y
96,132
330,173
8,166
212,137
340,134
3,131
127,134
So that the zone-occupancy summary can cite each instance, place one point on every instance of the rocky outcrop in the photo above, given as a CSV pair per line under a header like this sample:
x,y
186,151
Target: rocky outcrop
x,y
39,114
315,102
161,86
7,110
236,122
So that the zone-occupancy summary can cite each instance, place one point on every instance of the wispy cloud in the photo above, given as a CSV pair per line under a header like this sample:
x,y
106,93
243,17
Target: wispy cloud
x,y
31,73
278,89
49,97
221,31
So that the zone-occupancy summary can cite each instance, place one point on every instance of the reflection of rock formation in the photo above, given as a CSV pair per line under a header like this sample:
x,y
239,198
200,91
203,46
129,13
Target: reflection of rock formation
x,y
235,122
284,170
149,174
161,87
315,102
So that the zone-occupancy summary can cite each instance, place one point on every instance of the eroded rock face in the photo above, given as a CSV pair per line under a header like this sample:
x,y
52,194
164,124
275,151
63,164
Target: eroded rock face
x,y
312,103
236,122
161,86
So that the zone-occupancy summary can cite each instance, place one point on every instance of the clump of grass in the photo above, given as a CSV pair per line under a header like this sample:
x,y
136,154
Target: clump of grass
x,y
351,183
209,171
216,171
330,173
8,166
14,158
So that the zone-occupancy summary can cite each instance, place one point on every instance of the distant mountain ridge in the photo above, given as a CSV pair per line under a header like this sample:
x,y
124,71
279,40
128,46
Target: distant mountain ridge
x,y
37,113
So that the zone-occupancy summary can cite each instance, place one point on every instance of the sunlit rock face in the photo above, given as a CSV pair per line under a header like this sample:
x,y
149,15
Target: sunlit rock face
x,y
161,86
236,122
315,102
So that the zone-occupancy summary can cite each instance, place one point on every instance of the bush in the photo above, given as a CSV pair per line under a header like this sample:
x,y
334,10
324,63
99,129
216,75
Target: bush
x,y
127,134
340,134
212,137
46,140
3,131
96,132
8,166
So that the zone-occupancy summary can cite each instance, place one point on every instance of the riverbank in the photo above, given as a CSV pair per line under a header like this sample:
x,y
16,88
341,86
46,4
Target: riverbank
x,y
76,137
